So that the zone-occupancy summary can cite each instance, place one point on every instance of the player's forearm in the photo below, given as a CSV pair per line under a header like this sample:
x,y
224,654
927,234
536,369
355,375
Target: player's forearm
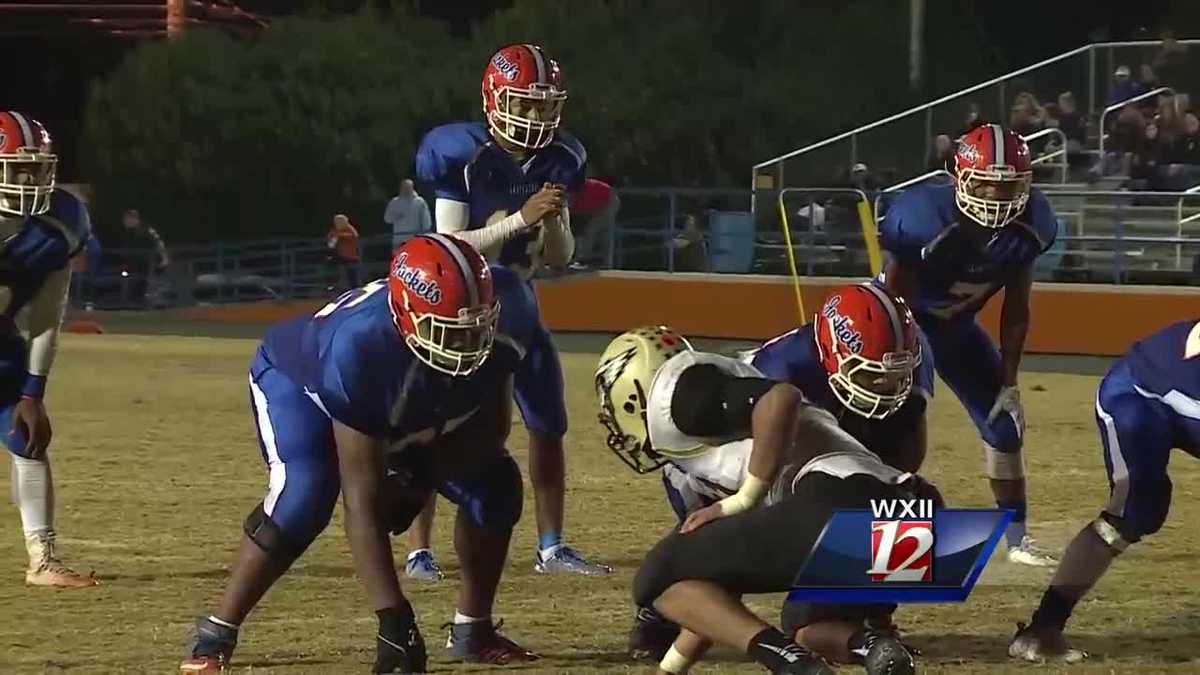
x,y
360,471
45,317
372,551
773,428
687,649
903,281
453,219
1014,325
559,241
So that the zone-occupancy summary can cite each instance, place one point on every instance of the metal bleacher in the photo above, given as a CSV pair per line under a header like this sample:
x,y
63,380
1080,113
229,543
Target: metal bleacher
x,y
1107,232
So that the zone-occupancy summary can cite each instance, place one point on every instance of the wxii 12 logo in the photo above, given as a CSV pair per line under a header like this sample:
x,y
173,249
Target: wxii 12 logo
x,y
902,546
899,550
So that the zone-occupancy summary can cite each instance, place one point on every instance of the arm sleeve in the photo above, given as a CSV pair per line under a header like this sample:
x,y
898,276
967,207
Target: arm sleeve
x,y
709,402
452,218
45,317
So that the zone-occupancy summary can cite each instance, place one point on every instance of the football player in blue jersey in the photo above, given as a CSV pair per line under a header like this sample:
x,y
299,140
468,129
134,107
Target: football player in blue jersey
x,y
952,246
502,186
385,394
862,361
43,227
1147,404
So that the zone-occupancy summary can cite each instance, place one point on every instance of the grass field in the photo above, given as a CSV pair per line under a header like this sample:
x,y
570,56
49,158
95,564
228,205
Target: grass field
x,y
156,465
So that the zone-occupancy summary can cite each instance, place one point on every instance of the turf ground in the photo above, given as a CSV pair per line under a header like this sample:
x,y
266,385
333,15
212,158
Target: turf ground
x,y
156,465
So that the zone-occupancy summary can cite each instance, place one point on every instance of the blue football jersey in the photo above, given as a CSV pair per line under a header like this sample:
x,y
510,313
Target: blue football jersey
x,y
793,358
1167,364
40,246
352,361
961,264
462,163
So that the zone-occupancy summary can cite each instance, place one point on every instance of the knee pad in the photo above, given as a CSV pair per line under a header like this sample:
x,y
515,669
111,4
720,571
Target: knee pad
x,y
268,536
493,496
1004,465
1115,531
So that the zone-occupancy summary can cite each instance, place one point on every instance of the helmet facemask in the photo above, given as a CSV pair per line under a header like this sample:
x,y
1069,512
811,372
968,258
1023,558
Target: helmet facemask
x,y
27,179
458,346
529,117
637,454
1005,193
874,389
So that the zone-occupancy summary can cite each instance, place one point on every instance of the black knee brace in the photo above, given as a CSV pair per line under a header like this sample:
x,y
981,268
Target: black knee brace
x,y
266,534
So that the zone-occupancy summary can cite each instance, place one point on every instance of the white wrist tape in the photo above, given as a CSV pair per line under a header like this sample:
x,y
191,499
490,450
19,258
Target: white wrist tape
x,y
675,663
747,496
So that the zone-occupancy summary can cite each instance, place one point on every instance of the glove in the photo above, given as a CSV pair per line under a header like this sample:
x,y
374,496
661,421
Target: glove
x,y
399,647
1009,401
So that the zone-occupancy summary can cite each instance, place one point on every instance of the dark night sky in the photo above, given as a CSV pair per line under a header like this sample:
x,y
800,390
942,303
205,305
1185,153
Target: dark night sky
x,y
55,59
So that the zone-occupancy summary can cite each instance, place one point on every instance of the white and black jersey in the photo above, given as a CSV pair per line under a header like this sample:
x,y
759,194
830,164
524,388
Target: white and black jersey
x,y
701,404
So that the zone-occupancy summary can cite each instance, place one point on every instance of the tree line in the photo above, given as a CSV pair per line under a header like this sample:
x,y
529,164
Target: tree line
x,y
218,138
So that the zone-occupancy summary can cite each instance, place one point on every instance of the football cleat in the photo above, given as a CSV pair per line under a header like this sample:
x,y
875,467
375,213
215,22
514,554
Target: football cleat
x,y
1042,643
46,569
1028,553
422,566
566,560
651,636
479,642
884,654
808,664
212,650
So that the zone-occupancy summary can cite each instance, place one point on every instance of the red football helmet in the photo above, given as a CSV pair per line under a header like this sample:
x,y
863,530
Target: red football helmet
x,y
867,341
992,169
443,302
523,95
27,166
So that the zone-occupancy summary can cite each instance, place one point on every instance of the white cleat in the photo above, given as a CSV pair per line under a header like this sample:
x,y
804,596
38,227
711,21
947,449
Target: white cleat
x,y
45,568
1027,553
1043,644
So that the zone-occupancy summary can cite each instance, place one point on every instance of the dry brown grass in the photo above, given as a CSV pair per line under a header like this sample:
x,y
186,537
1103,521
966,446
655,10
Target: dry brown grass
x,y
156,465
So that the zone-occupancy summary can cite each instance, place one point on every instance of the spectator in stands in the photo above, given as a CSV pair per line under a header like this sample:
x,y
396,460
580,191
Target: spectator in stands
x,y
1071,123
407,214
1147,79
691,251
973,119
1171,62
145,254
1149,160
342,242
940,153
1122,87
593,217
1186,148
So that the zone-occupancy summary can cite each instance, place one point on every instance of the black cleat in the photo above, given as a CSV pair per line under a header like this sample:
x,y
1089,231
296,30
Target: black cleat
x,y
651,636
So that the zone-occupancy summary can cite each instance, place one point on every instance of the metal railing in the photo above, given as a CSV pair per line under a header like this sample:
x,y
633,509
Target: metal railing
x,y
900,133
1060,153
1121,104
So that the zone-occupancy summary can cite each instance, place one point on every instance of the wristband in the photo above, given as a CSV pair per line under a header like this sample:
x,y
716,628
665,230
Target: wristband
x,y
35,387
752,490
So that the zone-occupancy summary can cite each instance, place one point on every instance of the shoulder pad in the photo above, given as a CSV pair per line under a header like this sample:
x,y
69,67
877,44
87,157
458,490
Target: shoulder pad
x,y
1041,219
916,217
572,146
70,216
448,148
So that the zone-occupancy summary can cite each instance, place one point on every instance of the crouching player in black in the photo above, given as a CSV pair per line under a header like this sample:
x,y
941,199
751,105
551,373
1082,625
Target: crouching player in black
x,y
751,440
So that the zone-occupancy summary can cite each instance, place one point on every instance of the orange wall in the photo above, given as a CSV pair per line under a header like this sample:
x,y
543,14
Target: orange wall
x,y
1067,318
